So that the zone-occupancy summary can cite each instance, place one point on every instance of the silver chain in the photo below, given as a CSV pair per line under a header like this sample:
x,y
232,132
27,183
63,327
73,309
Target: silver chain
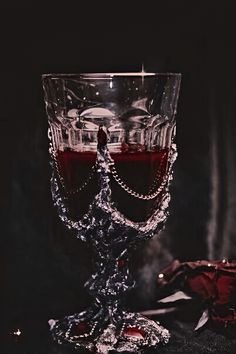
x,y
82,187
134,193
53,154
151,195
159,176
58,172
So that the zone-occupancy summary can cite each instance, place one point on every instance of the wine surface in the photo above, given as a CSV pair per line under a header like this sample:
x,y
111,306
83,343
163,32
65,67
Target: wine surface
x,y
141,172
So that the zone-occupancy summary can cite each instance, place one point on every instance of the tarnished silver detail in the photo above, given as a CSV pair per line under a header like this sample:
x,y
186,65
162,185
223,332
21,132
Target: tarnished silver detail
x,y
108,231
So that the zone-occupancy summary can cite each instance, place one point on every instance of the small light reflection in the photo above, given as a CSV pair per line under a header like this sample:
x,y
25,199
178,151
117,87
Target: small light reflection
x,y
111,84
17,332
143,72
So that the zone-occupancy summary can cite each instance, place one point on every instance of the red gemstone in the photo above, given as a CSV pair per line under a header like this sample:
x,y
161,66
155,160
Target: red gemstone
x,y
121,263
134,332
79,329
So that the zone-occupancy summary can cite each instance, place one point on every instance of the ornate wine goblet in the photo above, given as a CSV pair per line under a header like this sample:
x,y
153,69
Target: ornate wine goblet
x,y
112,150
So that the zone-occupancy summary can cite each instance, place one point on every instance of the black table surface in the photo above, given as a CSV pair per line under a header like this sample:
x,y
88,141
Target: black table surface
x,y
35,339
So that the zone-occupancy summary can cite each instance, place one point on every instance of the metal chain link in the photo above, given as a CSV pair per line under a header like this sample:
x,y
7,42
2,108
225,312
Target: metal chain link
x,y
134,193
82,187
53,154
151,195
159,176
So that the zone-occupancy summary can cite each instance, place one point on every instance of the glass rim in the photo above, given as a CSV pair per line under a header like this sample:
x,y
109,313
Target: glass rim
x,y
105,75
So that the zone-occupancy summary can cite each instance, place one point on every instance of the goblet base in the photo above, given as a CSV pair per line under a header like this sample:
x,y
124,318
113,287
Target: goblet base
x,y
127,332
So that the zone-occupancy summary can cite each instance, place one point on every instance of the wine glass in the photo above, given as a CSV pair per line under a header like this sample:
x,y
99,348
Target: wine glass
x,y
112,150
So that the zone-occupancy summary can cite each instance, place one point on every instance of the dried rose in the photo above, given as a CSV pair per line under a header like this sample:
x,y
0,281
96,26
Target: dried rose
x,y
214,282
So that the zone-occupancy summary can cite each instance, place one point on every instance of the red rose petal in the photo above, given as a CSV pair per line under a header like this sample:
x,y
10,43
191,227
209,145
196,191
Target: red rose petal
x,y
203,285
213,281
226,286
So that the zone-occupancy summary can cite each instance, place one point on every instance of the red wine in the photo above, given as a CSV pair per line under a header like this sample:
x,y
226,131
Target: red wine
x,y
141,172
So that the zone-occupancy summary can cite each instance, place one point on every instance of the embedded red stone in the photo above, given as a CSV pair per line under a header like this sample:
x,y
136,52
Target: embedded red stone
x,y
134,332
121,263
79,329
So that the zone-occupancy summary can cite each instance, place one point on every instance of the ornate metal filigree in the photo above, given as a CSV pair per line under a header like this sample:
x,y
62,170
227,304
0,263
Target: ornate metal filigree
x,y
106,326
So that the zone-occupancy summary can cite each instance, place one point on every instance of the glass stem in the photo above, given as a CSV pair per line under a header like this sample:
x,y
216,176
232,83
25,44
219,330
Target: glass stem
x,y
109,282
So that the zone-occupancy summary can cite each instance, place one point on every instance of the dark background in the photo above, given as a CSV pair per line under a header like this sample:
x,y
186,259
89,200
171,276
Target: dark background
x,y
41,276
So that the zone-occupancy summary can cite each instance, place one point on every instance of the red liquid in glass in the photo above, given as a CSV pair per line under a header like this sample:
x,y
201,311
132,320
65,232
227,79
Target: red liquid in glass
x,y
137,170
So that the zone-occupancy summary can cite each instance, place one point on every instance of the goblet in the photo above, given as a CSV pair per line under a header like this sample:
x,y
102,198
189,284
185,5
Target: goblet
x,y
112,150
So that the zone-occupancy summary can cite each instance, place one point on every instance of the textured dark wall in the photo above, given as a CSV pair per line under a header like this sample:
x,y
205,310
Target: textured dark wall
x,y
41,275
